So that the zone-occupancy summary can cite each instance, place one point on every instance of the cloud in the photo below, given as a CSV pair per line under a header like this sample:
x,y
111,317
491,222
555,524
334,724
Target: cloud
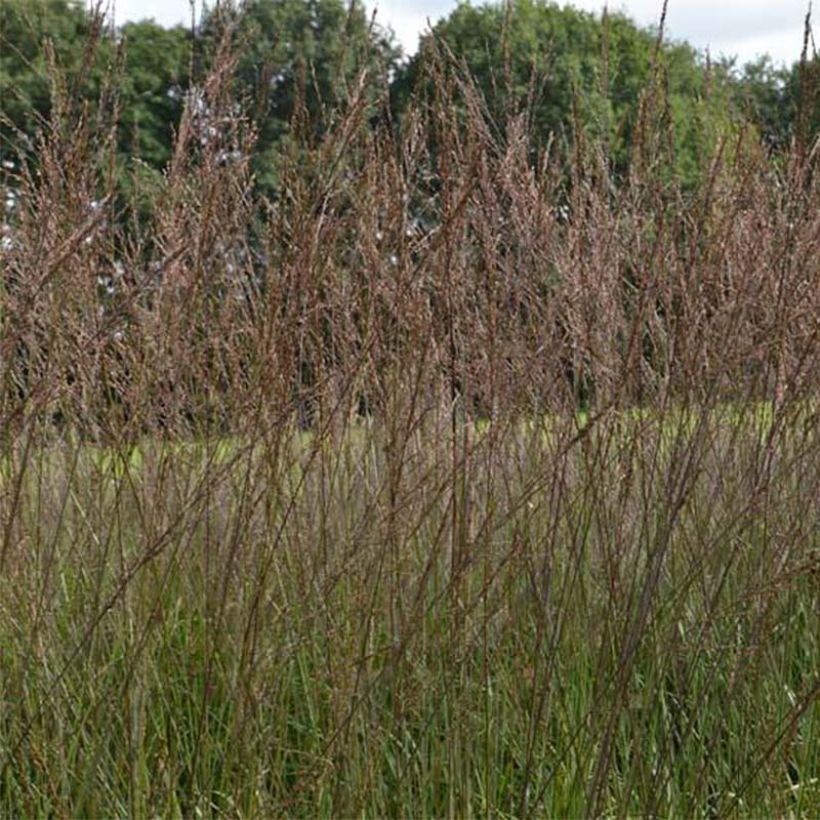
x,y
743,27
409,20
165,12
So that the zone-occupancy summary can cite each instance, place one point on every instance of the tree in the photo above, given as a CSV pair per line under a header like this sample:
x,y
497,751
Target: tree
x,y
802,93
152,89
25,87
305,53
149,82
581,65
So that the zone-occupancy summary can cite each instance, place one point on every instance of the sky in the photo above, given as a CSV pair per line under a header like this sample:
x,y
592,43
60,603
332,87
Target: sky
x,y
742,28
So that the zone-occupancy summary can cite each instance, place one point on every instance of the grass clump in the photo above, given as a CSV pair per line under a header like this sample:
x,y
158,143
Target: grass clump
x,y
410,492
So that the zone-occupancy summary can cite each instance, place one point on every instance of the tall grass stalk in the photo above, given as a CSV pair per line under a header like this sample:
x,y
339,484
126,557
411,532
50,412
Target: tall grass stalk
x,y
457,480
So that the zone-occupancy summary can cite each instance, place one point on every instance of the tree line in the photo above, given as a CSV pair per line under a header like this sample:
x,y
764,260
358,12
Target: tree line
x,y
296,60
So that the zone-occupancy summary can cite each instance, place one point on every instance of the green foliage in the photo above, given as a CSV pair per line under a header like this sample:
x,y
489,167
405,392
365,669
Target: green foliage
x,y
766,92
294,55
803,95
301,57
26,28
152,88
505,48
147,77
771,96
584,71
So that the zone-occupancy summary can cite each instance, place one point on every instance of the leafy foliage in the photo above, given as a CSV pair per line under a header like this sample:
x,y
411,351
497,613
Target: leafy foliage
x,y
583,71
29,32
152,89
300,58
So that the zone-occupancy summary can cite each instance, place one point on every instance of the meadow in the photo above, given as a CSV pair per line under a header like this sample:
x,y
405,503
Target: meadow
x,y
464,478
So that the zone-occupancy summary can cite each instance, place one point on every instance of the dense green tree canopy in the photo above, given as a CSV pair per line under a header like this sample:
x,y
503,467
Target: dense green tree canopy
x,y
310,53
783,103
150,65
573,59
25,89
152,88
289,49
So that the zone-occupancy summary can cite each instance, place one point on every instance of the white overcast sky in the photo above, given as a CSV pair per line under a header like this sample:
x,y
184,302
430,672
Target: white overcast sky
x,y
745,28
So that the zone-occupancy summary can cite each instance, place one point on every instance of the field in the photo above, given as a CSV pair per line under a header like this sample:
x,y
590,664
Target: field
x,y
458,481
620,615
